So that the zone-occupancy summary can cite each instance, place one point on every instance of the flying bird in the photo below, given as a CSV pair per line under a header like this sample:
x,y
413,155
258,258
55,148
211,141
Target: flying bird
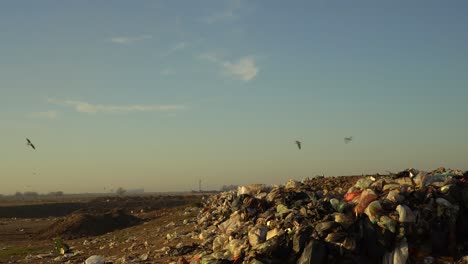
x,y
298,143
348,139
29,143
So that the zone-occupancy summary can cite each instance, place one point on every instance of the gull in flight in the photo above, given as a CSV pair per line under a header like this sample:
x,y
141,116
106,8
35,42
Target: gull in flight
x,y
348,139
29,143
298,143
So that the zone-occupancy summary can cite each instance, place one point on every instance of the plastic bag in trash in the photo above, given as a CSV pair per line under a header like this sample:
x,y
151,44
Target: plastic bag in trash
x,y
337,205
364,183
405,214
373,211
352,195
386,222
394,196
367,196
220,242
236,247
231,225
257,235
399,255
345,220
315,252
324,226
251,190
95,259
420,178
336,238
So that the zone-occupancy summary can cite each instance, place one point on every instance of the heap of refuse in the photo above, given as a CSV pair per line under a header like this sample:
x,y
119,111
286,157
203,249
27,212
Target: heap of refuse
x,y
414,216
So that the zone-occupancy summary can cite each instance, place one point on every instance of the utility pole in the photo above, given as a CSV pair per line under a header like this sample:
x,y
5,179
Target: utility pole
x,y
199,185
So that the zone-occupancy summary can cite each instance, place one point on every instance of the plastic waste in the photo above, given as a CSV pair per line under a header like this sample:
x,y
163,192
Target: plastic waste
x,y
345,220
257,235
231,225
251,190
337,205
336,238
292,184
272,233
405,214
399,255
220,242
364,183
420,178
60,246
95,259
352,195
349,243
406,181
281,208
390,186
236,247
373,211
367,196
386,222
182,260
443,202
439,177
324,226
315,252
269,246
394,196
446,188
440,211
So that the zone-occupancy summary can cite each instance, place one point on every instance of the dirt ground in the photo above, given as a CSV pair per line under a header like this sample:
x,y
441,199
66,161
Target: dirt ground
x,y
116,227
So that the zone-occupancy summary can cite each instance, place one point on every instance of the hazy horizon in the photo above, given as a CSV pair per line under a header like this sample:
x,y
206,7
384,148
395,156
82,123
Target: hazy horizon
x,y
160,94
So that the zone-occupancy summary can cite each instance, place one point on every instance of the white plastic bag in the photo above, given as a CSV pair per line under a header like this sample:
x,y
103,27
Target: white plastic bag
x,y
399,255
405,213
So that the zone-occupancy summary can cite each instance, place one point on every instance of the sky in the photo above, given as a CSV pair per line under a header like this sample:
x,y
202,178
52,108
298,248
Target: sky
x,y
160,94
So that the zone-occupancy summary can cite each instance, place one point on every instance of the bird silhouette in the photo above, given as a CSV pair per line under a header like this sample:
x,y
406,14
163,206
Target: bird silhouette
x,y
348,139
298,143
29,143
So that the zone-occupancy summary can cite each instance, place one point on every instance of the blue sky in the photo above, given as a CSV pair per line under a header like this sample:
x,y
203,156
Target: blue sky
x,y
159,94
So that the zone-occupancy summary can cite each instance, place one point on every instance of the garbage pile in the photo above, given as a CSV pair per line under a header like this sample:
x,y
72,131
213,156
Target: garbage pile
x,y
409,217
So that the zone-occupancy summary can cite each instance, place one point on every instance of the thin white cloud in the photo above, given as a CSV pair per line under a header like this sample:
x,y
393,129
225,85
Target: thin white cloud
x,y
220,16
175,48
51,114
244,69
85,107
167,72
209,56
230,12
128,40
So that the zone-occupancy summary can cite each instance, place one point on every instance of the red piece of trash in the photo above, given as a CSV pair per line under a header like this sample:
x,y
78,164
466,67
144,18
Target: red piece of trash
x,y
350,196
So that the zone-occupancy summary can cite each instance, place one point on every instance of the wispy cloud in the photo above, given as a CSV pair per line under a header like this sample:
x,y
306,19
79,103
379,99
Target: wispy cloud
x,y
51,114
175,48
209,56
230,12
244,69
128,40
167,72
85,107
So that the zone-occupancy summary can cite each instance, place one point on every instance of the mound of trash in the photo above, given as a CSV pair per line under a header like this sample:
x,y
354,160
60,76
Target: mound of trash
x,y
83,224
409,217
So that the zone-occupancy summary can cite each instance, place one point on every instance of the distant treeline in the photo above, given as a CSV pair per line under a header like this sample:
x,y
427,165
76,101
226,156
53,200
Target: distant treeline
x,y
33,194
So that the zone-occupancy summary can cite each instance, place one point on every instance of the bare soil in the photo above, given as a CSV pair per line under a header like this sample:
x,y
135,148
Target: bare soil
x,y
110,226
